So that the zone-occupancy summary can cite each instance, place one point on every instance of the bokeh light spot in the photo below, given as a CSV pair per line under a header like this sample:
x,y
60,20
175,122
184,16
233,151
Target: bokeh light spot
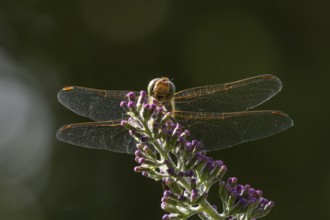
x,y
25,124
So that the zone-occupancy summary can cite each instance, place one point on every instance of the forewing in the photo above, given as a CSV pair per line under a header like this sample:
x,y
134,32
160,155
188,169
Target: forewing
x,y
98,105
222,130
98,135
230,97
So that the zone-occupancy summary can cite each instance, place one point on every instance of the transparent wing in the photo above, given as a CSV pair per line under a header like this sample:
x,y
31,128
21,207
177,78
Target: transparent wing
x,y
98,135
230,97
222,130
98,105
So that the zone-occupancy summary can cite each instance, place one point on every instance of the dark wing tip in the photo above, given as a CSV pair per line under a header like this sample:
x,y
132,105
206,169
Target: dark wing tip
x,y
268,76
275,85
64,127
65,95
273,78
63,91
284,116
279,113
68,88
61,130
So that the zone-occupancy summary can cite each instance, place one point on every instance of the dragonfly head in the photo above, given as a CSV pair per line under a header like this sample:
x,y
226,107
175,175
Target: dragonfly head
x,y
161,89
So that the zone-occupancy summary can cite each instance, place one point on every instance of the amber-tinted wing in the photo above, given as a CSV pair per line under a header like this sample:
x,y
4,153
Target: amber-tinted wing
x,y
230,97
98,135
98,105
221,130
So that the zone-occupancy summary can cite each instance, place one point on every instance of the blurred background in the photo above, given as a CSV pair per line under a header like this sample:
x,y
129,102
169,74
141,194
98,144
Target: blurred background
x,y
45,45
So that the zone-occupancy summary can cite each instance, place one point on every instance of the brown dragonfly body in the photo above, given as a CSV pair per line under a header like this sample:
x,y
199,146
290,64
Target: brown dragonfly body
x,y
163,90
217,115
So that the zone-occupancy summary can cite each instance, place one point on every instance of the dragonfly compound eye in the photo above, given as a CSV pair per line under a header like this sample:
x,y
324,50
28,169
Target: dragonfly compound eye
x,y
152,85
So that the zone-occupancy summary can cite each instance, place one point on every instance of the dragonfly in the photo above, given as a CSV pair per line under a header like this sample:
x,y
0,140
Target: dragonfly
x,y
217,115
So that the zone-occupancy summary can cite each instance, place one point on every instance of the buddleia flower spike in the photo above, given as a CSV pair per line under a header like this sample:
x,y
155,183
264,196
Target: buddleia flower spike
x,y
164,152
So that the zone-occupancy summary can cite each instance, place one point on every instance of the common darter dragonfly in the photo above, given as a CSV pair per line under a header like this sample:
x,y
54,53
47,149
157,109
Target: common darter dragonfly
x,y
216,115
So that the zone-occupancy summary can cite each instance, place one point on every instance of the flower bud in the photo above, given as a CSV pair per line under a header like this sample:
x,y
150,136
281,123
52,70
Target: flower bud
x,y
123,104
131,96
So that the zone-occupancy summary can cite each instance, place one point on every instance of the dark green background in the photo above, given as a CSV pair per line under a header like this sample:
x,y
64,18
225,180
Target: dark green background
x,y
45,45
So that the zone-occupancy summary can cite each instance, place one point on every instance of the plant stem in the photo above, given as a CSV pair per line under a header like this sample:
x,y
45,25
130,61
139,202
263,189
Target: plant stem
x,y
209,210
